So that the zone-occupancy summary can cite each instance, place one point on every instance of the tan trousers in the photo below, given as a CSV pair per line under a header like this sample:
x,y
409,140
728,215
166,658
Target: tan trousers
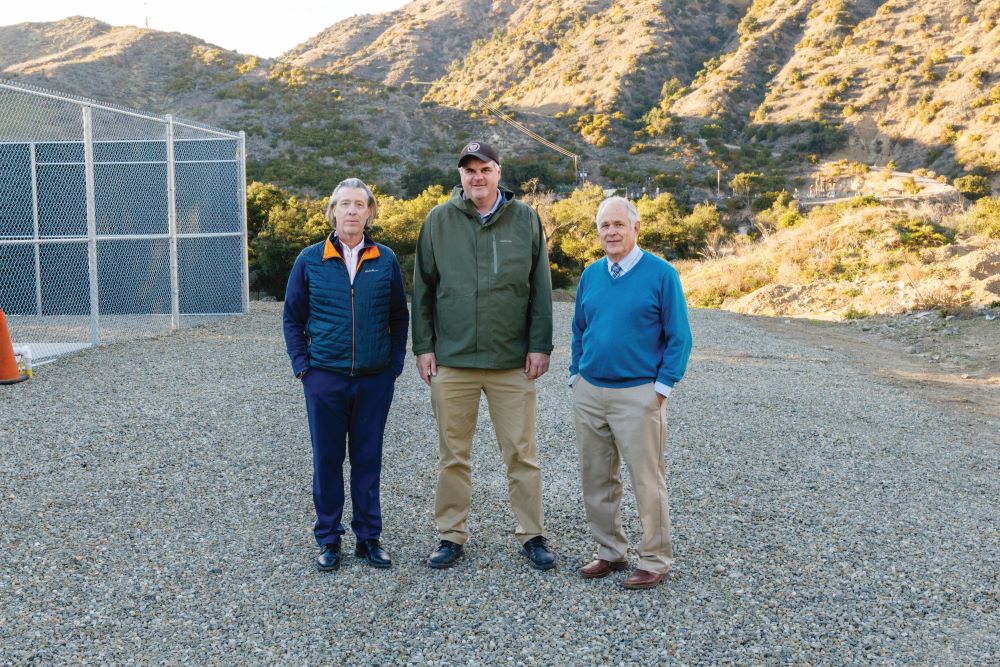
x,y
616,424
510,394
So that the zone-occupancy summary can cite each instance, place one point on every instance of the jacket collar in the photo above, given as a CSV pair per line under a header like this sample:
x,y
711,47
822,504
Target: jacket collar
x,y
332,248
467,207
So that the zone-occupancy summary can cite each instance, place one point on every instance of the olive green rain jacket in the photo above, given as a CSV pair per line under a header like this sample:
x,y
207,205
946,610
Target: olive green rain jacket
x,y
482,293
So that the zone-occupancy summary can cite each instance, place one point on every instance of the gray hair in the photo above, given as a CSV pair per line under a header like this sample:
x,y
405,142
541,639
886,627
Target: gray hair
x,y
344,185
633,213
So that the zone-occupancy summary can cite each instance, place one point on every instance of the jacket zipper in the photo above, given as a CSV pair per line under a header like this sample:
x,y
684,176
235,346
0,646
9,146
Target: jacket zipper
x,y
352,329
495,264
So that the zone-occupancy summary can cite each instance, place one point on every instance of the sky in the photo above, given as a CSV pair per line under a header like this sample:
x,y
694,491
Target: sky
x,y
262,28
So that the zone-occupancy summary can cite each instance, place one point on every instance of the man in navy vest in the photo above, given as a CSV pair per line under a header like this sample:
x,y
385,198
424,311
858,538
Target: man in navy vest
x,y
631,343
345,323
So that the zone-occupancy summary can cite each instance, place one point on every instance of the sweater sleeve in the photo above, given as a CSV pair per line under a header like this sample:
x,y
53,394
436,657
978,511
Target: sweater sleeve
x,y
579,326
676,330
295,316
540,295
425,279
399,317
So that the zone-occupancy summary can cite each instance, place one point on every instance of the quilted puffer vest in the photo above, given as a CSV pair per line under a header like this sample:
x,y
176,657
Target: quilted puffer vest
x,y
348,325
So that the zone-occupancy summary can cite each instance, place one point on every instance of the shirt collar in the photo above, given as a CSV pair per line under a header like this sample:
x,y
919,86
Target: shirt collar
x,y
333,246
500,200
629,260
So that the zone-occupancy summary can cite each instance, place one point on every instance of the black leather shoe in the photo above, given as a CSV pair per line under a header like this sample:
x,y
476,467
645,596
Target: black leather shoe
x,y
538,553
373,552
446,555
329,559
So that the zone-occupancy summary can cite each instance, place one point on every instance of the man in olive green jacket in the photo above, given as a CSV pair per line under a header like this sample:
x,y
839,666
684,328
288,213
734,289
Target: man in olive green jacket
x,y
482,323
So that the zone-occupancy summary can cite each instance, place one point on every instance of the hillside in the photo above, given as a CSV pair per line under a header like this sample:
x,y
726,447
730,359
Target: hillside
x,y
861,79
137,67
592,56
767,83
415,42
853,259
651,93
306,128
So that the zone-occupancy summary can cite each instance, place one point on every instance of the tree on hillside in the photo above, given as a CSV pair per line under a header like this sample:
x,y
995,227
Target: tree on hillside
x,y
666,231
261,198
291,225
399,220
660,220
575,219
744,184
418,178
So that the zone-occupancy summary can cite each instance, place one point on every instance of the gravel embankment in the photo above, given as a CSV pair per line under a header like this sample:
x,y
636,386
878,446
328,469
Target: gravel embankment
x,y
155,508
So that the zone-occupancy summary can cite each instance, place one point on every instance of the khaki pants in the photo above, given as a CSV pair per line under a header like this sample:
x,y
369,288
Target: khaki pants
x,y
510,394
616,424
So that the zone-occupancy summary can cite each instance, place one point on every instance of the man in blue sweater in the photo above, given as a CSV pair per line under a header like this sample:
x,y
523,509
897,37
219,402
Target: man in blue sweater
x,y
631,343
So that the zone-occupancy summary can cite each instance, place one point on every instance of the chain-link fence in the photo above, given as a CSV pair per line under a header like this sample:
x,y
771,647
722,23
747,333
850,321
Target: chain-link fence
x,y
115,223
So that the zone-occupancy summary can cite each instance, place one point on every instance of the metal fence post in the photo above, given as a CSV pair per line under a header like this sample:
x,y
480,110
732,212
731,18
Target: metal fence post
x,y
243,208
175,293
37,231
91,265
88,160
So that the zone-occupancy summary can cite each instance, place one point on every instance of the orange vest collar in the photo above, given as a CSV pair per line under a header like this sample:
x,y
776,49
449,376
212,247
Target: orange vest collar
x,y
330,252
371,252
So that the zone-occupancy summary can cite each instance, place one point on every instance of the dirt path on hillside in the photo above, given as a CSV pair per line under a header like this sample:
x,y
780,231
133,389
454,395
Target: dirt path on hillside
x,y
952,360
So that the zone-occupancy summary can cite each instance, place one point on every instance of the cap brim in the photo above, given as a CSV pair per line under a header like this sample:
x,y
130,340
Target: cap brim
x,y
480,156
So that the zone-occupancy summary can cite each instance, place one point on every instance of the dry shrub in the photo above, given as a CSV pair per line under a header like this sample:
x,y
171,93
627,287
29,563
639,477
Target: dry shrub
x,y
857,241
945,296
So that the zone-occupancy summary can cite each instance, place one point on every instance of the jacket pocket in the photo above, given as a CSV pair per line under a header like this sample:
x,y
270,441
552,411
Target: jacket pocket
x,y
455,323
512,265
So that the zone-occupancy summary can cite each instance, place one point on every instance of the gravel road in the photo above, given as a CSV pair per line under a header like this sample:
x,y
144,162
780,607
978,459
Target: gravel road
x,y
155,508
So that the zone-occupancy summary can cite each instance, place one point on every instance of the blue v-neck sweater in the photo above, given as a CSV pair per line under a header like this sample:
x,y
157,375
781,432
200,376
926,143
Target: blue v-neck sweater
x,y
633,329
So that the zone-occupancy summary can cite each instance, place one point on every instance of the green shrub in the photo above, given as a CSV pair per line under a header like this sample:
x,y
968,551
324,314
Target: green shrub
x,y
766,200
910,186
417,178
561,277
922,234
710,131
973,187
665,230
782,213
985,217
855,314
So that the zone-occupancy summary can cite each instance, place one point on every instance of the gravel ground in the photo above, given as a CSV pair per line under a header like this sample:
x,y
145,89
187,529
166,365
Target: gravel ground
x,y
155,508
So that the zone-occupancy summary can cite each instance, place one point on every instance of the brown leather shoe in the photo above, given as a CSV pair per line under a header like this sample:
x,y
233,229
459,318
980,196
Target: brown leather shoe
x,y
598,568
643,579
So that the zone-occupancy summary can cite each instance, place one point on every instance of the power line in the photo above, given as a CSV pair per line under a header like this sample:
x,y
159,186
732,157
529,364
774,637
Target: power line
x,y
513,123
517,126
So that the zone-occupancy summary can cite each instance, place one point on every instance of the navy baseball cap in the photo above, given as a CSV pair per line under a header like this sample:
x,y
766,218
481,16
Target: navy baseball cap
x,y
478,149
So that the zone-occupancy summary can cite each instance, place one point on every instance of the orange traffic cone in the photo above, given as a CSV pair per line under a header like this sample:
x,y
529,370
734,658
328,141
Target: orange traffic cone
x,y
9,372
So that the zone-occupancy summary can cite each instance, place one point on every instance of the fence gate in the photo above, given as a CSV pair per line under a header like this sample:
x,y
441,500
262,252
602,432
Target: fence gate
x,y
114,223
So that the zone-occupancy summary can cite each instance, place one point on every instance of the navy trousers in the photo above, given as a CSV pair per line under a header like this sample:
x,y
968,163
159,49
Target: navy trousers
x,y
347,417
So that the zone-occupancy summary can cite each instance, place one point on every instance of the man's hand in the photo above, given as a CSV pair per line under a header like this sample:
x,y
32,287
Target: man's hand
x,y
536,364
427,366
660,398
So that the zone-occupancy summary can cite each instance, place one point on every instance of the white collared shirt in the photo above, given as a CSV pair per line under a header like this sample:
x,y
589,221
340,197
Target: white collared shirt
x,y
351,257
626,264
628,261
483,217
